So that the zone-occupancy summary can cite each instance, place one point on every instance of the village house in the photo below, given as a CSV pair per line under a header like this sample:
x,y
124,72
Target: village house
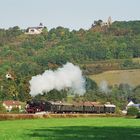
x,y
9,104
132,104
35,30
9,76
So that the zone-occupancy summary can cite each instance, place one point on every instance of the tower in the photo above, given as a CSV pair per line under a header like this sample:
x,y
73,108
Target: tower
x,y
109,21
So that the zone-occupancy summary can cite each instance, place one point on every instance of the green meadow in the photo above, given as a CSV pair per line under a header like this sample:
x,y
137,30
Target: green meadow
x,y
71,129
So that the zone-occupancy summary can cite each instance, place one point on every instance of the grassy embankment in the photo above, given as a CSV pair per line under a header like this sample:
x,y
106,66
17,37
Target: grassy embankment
x,y
71,129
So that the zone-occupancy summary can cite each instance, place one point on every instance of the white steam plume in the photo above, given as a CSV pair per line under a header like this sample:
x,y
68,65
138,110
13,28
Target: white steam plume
x,y
69,76
103,86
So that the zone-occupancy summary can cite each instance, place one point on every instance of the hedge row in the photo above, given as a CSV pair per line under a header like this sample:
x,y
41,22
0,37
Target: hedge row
x,y
36,116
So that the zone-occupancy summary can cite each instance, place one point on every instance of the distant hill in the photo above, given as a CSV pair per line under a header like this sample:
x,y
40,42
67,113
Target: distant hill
x,y
24,55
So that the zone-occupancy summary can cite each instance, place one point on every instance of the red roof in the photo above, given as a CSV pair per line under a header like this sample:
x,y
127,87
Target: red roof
x,y
87,103
11,102
95,103
78,103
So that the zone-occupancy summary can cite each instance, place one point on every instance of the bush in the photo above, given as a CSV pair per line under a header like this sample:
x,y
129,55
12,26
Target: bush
x,y
118,111
18,116
138,115
2,108
15,110
132,111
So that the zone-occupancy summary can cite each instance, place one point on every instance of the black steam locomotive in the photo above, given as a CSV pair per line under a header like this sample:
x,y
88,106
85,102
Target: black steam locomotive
x,y
60,107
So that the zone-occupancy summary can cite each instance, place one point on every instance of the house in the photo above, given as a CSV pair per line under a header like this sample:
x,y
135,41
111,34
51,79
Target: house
x,y
129,104
9,104
132,104
35,30
9,76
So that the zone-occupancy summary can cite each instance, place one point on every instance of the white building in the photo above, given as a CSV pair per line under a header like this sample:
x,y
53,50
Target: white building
x,y
131,104
9,104
9,76
35,30
108,23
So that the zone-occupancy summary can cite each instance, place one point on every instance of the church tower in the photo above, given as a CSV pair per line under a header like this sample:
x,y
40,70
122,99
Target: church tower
x,y
109,22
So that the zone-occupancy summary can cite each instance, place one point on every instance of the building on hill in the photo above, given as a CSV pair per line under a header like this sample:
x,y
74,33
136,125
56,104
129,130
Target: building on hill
x,y
9,76
9,104
108,23
101,26
35,30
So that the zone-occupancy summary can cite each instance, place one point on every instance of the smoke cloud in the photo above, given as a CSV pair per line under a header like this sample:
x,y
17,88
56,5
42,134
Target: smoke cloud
x,y
103,86
69,76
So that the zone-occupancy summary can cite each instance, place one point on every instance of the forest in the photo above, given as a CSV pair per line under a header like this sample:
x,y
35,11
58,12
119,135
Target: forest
x,y
24,56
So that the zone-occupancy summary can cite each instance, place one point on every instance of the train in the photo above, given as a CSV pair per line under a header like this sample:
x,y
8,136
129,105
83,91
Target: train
x,y
35,106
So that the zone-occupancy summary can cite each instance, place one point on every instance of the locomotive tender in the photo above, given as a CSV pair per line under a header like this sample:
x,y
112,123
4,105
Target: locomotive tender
x,y
59,107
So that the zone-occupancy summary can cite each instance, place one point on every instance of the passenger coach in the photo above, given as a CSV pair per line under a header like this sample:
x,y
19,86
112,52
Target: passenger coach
x,y
62,107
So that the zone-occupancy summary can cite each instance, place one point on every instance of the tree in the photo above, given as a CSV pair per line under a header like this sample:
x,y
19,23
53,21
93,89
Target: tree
x,y
98,22
136,94
12,92
132,111
54,95
2,108
90,84
15,110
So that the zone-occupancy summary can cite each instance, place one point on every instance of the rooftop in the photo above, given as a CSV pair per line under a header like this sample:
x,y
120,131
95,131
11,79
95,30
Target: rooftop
x,y
11,102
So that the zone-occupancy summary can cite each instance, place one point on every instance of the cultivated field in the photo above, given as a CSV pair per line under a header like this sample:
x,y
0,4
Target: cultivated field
x,y
71,129
113,77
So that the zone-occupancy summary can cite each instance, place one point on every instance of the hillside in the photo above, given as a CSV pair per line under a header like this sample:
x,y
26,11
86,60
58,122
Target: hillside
x,y
96,67
117,77
98,49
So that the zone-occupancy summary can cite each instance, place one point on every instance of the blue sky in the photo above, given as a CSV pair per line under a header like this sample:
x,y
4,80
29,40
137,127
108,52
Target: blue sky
x,y
73,14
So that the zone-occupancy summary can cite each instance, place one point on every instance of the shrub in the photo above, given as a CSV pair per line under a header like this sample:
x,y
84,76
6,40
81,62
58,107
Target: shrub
x,y
18,116
132,111
118,111
2,108
15,110
138,115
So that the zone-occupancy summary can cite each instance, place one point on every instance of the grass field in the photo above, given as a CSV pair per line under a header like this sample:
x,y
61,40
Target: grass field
x,y
131,77
71,129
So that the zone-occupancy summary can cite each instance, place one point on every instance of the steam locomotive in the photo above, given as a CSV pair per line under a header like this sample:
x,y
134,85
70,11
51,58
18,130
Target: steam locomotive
x,y
35,106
